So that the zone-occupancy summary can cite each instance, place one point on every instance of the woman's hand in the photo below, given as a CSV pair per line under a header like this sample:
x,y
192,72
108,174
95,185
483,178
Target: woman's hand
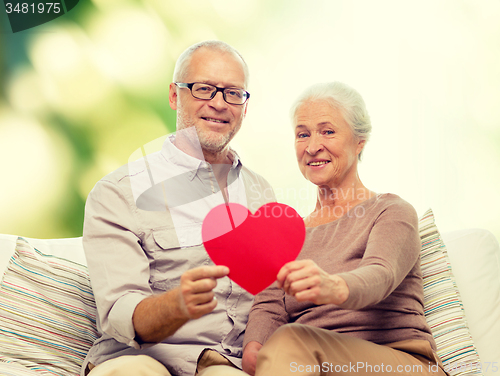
x,y
306,281
250,357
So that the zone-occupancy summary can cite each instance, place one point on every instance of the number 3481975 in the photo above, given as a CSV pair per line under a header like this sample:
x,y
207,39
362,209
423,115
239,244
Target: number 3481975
x,y
32,8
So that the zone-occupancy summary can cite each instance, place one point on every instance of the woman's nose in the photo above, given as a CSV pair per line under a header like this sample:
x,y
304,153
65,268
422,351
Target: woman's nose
x,y
314,146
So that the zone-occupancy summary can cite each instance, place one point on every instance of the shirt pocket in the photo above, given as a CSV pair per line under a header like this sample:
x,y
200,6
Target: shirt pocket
x,y
174,253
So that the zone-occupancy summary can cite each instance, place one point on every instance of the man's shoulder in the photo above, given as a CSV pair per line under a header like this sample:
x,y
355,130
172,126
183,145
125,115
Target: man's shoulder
x,y
129,181
252,176
132,170
117,175
258,189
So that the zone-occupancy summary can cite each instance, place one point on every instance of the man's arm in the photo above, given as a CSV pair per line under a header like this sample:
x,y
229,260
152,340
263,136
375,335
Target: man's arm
x,y
129,309
158,317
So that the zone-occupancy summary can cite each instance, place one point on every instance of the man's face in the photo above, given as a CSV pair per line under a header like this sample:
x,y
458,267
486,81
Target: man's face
x,y
216,121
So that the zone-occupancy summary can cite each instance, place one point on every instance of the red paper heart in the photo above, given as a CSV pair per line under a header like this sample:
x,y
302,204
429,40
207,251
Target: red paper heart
x,y
253,246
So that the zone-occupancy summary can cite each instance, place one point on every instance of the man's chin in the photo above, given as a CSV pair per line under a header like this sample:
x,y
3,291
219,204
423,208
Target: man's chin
x,y
213,144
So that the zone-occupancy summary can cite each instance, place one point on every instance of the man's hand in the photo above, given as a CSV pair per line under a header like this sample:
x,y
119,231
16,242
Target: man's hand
x,y
196,297
306,281
159,316
249,360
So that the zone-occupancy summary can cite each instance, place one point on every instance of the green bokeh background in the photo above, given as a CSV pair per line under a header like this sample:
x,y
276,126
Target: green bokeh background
x,y
94,137
80,94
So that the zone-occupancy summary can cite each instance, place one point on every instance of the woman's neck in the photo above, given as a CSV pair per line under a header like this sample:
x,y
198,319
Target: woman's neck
x,y
342,194
334,202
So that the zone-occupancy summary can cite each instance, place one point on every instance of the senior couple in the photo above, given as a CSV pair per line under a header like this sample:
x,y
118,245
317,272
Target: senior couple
x,y
351,303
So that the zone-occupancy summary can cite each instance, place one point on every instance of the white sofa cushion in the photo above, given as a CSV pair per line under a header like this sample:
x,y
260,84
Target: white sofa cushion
x,y
475,258
67,248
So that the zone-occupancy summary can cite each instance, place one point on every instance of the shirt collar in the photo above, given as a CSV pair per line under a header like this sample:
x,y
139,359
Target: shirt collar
x,y
171,153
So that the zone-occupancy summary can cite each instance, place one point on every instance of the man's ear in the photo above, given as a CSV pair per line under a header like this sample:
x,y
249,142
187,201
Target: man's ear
x,y
172,96
246,106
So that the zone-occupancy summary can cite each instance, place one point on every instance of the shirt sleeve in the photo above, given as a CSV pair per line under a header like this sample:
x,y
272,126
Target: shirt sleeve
x,y
392,250
268,313
118,266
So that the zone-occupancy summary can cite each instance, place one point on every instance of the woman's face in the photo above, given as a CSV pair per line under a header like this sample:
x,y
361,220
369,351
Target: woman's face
x,y
327,151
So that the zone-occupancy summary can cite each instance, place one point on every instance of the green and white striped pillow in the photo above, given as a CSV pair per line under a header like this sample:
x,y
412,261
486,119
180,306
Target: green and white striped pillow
x,y
442,304
47,313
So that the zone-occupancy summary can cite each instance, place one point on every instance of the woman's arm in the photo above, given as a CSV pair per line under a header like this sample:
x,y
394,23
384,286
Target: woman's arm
x,y
306,281
392,250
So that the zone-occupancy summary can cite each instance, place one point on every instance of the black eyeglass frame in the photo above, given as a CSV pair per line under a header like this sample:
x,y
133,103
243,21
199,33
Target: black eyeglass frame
x,y
217,89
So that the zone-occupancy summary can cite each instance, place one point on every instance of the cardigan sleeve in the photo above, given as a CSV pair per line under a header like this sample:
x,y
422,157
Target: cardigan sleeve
x,y
267,314
392,250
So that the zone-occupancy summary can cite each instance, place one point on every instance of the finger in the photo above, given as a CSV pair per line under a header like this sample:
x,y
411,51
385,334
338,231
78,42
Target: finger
x,y
208,271
297,275
199,286
304,284
286,270
199,299
311,295
196,311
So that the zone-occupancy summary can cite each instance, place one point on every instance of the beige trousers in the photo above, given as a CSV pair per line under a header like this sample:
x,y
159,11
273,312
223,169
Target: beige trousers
x,y
303,350
143,365
130,365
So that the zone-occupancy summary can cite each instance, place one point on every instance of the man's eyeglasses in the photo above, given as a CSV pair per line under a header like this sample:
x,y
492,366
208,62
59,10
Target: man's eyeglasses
x,y
206,91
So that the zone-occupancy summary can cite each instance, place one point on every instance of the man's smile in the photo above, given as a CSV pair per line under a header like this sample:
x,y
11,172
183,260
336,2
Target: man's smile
x,y
214,120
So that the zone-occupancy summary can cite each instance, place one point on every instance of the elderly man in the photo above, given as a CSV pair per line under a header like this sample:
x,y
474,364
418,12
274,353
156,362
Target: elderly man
x,y
163,307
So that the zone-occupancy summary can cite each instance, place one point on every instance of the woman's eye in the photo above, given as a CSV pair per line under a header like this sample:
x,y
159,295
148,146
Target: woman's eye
x,y
329,132
301,135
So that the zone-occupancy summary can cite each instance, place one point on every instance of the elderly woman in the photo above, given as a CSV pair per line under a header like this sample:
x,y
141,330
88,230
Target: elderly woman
x,y
352,303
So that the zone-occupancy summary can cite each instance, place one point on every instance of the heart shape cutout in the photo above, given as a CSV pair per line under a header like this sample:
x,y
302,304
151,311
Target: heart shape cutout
x,y
253,246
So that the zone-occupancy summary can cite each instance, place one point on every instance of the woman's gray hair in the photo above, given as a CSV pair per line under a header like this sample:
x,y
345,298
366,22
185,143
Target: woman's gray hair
x,y
182,64
344,98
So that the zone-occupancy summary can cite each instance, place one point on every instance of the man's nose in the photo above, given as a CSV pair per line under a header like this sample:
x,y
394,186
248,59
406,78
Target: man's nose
x,y
218,101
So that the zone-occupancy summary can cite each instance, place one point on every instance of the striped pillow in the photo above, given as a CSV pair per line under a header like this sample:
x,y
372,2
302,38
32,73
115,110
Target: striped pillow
x,y
13,369
47,313
442,304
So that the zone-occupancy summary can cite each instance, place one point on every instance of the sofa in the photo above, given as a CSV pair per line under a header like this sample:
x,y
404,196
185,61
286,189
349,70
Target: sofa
x,y
47,310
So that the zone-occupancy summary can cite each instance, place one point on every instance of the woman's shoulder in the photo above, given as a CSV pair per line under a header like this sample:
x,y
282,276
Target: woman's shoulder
x,y
391,198
394,203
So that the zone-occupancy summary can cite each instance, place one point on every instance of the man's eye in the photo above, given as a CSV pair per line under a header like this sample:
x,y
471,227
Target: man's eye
x,y
234,93
302,135
203,89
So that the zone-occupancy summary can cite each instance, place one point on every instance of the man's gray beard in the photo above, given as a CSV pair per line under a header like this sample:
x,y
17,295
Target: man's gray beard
x,y
213,143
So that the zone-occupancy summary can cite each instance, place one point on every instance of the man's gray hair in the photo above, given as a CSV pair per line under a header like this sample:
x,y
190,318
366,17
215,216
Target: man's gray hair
x,y
182,64
344,98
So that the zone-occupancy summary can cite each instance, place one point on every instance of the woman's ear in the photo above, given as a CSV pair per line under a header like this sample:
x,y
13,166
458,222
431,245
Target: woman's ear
x,y
361,145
